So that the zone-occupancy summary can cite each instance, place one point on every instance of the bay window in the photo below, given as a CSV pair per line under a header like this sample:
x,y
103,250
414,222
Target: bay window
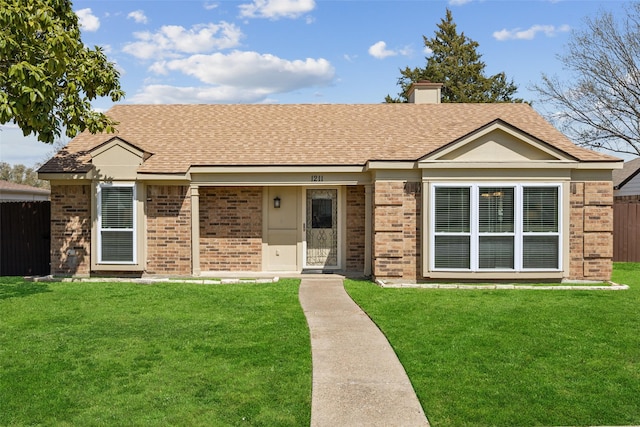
x,y
479,227
116,224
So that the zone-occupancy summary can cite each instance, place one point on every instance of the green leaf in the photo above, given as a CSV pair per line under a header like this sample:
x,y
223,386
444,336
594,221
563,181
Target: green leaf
x,y
50,75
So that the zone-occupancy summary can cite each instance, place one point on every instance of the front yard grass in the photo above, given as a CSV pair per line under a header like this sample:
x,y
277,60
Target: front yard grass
x,y
165,354
516,357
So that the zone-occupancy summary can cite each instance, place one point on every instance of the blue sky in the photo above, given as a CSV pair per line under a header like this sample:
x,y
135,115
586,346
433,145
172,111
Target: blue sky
x,y
305,51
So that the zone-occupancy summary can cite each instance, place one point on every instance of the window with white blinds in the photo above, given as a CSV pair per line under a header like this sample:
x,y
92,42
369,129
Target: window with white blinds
x,y
116,219
495,227
540,227
452,223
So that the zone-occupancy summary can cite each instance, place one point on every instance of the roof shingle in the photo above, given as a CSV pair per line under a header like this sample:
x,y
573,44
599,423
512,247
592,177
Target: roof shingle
x,y
628,171
180,136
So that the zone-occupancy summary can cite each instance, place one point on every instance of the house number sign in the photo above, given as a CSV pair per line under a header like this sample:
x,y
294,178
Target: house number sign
x,y
317,178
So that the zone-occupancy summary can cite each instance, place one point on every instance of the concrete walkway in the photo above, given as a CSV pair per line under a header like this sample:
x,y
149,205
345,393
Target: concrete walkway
x,y
357,378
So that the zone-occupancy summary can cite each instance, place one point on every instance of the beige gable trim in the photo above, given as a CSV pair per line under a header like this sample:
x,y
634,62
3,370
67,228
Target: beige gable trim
x,y
117,160
117,141
498,142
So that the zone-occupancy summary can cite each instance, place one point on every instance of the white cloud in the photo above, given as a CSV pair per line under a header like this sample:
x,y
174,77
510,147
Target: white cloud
x,y
166,94
379,50
260,74
210,6
138,16
275,9
459,2
405,51
88,21
172,40
530,33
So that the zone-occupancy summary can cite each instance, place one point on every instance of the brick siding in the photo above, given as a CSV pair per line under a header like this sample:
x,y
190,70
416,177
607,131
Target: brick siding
x,y
231,228
168,230
70,230
591,230
396,239
355,228
411,231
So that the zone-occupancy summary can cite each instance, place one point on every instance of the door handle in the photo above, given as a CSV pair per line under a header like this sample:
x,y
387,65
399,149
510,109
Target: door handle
x,y
304,226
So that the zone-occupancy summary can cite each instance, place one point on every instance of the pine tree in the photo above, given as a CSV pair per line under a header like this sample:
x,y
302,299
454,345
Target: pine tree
x,y
456,63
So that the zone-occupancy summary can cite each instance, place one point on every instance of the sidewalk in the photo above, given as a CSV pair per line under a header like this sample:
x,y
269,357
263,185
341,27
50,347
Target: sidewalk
x,y
357,378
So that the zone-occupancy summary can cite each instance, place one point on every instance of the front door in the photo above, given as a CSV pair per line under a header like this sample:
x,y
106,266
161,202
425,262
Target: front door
x,y
322,228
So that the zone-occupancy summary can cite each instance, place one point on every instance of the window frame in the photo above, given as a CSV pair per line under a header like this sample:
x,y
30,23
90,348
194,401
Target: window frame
x,y
518,233
133,230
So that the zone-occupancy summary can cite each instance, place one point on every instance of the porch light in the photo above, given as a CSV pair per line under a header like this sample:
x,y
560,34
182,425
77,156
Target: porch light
x,y
276,202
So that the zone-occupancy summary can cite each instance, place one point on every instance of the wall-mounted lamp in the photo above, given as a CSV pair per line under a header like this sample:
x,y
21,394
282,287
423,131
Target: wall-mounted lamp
x,y
276,202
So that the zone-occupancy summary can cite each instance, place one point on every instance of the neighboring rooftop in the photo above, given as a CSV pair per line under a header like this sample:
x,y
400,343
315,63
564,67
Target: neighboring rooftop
x,y
180,136
629,170
11,191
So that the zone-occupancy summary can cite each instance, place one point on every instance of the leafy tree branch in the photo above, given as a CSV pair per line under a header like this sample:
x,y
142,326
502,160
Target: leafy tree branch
x,y
598,106
48,77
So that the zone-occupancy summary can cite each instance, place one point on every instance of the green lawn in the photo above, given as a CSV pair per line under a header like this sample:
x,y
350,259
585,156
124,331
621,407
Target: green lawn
x,y
165,354
517,358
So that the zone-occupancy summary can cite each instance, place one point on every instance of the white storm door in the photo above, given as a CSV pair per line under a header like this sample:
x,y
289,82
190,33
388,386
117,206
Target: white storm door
x,y
322,229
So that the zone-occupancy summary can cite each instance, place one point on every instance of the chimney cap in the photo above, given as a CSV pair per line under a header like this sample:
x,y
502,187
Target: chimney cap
x,y
426,83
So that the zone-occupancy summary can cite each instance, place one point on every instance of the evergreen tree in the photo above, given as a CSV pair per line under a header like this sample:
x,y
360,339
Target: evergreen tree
x,y
456,63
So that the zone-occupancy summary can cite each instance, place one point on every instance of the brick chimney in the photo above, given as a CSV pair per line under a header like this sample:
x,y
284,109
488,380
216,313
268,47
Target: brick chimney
x,y
424,92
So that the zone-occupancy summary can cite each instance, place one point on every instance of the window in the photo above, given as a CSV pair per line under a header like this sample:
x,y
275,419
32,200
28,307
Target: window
x,y
495,227
116,223
540,227
452,224
321,213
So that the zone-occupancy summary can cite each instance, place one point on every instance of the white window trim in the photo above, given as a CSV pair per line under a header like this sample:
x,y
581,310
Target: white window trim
x,y
133,229
474,234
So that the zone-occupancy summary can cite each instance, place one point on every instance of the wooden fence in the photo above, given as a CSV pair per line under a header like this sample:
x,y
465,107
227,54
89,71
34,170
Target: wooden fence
x,y
626,230
25,238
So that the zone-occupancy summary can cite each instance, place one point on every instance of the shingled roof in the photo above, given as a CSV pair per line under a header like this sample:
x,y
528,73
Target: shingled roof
x,y
624,175
180,136
13,187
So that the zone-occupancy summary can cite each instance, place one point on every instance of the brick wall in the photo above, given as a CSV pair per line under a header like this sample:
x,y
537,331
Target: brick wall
x,y
591,230
168,230
355,228
411,232
231,228
70,230
396,239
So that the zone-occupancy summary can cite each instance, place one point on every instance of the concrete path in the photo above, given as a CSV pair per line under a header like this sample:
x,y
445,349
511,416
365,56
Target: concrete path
x,y
357,378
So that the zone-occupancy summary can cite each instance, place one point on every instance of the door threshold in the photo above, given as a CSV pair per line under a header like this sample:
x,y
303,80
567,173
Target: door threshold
x,y
319,271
